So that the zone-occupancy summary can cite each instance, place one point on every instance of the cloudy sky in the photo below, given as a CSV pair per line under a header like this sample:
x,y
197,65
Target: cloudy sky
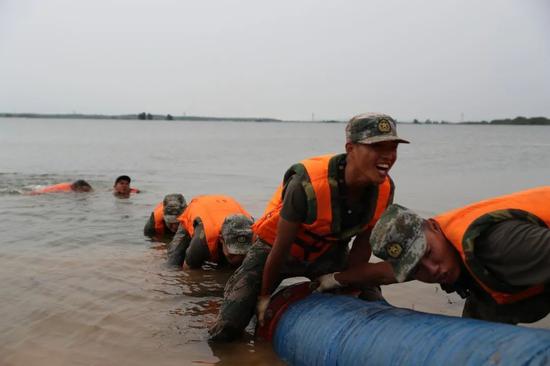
x,y
289,59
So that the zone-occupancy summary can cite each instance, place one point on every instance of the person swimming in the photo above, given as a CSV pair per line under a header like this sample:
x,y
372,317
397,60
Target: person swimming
x,y
122,189
79,185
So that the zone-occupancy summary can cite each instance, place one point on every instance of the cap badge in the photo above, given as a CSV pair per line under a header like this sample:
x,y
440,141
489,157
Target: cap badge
x,y
384,125
394,250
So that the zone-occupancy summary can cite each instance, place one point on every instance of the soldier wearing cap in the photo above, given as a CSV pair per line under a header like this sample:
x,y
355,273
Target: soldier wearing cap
x,y
163,222
322,203
213,228
122,189
495,253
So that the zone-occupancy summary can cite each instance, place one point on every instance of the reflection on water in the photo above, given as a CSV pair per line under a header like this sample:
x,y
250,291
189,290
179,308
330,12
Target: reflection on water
x,y
80,283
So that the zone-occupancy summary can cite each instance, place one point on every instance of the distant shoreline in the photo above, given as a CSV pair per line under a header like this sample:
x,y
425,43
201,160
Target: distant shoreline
x,y
536,121
139,117
540,121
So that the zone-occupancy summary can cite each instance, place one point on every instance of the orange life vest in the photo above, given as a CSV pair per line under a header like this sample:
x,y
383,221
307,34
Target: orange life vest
x,y
532,205
61,187
212,211
158,216
320,231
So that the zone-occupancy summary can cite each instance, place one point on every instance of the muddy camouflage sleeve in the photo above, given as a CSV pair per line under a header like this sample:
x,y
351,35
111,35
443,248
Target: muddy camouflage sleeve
x,y
178,247
197,252
149,229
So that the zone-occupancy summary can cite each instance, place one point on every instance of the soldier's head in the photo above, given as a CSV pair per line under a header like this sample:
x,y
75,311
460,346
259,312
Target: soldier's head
x,y
236,237
121,188
416,248
174,205
81,186
371,147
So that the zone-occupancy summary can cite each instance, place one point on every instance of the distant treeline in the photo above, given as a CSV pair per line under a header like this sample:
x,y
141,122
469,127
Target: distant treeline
x,y
138,116
507,121
522,121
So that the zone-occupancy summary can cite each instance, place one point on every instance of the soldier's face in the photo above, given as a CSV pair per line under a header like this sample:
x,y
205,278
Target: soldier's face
x,y
440,263
371,163
122,187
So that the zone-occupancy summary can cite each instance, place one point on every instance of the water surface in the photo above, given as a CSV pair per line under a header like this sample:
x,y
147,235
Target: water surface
x,y
80,283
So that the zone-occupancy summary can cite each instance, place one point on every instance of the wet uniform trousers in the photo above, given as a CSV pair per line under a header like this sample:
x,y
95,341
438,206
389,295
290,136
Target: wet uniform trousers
x,y
243,287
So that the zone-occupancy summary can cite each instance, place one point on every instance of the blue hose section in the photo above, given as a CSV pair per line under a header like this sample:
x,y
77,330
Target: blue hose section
x,y
325,329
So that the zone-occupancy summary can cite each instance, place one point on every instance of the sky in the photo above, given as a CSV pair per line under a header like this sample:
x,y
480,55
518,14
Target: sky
x,y
448,60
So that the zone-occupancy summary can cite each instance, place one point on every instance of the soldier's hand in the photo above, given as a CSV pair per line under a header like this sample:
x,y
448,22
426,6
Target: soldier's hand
x,y
261,307
327,282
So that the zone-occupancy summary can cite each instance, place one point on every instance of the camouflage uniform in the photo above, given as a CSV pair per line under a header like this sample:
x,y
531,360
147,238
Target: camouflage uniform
x,y
178,247
513,245
244,286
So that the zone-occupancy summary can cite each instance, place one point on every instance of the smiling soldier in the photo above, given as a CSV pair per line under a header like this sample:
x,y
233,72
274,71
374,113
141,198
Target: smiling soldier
x,y
322,203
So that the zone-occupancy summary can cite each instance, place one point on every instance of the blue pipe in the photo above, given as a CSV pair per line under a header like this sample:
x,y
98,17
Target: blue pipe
x,y
325,329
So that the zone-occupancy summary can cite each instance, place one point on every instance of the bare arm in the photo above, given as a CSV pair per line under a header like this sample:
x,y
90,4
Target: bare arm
x,y
360,271
360,250
370,274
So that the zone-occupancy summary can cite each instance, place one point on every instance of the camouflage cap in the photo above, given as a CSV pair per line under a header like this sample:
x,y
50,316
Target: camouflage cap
x,y
174,204
237,233
398,237
370,128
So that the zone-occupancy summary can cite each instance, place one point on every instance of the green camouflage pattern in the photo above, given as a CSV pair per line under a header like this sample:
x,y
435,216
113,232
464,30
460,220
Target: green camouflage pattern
x,y
243,287
398,237
240,294
174,204
237,233
177,248
370,128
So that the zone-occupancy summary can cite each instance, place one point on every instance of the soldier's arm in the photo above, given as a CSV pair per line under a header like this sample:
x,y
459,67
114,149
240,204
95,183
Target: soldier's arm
x,y
197,252
149,229
178,247
360,271
360,250
370,274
